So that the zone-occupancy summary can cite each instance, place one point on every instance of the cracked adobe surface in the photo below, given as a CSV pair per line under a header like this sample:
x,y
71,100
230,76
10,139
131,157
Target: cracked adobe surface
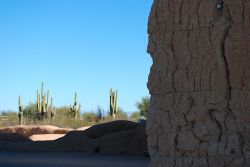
x,y
199,83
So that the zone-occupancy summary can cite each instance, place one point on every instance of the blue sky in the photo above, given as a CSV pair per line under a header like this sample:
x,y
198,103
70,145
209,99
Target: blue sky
x,y
74,45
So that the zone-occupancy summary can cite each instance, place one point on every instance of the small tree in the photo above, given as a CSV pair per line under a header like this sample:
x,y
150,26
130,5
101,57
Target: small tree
x,y
143,106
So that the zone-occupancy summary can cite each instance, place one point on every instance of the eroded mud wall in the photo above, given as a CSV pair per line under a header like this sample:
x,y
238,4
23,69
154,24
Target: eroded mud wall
x,y
199,83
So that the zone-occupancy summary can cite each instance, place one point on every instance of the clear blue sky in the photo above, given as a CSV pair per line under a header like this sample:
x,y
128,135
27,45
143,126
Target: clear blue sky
x,y
88,46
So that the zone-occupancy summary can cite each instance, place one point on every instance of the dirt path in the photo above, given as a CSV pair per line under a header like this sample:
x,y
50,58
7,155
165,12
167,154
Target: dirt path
x,y
61,159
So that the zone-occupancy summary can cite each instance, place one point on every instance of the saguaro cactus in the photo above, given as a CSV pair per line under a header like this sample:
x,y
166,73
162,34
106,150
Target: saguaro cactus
x,y
43,107
113,103
75,109
51,109
38,102
20,110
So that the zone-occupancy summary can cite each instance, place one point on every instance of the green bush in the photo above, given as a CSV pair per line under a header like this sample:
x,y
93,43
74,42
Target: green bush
x,y
143,106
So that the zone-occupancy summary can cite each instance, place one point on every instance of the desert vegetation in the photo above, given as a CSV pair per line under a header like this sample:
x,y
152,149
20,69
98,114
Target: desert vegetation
x,y
63,117
42,112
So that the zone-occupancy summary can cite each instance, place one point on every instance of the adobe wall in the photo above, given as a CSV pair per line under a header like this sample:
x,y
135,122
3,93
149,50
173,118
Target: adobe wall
x,y
199,83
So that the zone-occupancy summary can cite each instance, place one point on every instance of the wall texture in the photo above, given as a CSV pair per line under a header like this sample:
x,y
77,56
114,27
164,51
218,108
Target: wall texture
x,y
199,83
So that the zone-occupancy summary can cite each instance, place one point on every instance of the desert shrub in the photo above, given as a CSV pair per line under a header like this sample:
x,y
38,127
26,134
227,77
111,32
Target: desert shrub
x,y
63,112
63,118
8,118
99,113
121,114
30,113
143,106
90,117
135,116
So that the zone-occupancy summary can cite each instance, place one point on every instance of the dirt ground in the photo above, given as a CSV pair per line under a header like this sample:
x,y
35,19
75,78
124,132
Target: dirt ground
x,y
28,146
44,137
62,159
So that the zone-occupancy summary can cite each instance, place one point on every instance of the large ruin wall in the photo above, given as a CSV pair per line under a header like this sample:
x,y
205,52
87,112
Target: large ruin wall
x,y
199,83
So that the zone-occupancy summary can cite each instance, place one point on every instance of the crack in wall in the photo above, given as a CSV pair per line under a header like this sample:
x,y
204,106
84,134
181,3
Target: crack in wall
x,y
222,48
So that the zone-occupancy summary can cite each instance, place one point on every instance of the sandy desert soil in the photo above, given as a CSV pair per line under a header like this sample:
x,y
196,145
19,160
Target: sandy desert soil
x,y
83,128
60,159
28,131
44,137
40,133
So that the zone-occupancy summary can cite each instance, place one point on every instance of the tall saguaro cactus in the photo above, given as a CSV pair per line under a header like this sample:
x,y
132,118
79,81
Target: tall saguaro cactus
x,y
43,107
113,96
20,110
75,109
38,102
